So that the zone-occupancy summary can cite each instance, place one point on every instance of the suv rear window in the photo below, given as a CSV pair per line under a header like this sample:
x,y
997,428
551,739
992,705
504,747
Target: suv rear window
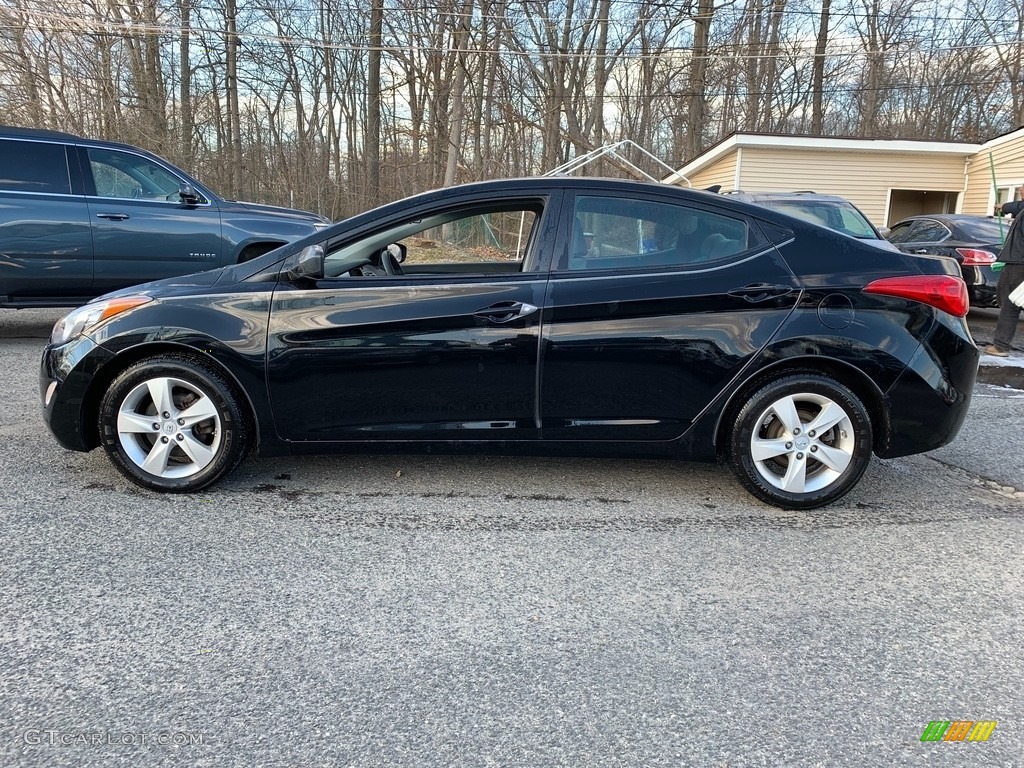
x,y
33,166
842,217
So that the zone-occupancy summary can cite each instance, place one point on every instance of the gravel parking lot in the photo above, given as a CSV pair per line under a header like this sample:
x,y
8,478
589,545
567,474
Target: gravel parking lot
x,y
477,611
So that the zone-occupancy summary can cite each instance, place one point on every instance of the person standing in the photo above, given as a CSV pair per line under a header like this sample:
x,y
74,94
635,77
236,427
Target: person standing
x,y
1012,275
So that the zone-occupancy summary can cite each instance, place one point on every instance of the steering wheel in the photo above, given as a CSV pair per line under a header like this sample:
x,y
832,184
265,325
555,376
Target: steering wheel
x,y
389,263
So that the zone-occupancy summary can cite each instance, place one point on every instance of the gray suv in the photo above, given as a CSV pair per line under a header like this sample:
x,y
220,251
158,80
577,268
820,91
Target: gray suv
x,y
832,211
79,218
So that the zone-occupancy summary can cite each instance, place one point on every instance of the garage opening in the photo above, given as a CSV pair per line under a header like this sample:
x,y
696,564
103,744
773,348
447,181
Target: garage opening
x,y
914,202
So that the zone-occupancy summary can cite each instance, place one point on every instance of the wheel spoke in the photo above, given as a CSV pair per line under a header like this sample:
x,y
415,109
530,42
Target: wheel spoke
x,y
156,460
160,391
796,475
185,443
829,416
835,459
129,421
760,449
201,410
197,451
785,409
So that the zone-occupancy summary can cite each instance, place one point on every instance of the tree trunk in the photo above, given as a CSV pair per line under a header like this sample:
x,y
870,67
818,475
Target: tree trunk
x,y
697,82
233,121
461,41
372,139
185,86
818,75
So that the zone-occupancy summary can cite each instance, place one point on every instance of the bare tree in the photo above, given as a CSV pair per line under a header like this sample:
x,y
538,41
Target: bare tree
x,y
335,106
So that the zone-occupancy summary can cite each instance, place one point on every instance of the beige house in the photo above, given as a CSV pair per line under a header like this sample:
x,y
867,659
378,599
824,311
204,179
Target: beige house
x,y
888,179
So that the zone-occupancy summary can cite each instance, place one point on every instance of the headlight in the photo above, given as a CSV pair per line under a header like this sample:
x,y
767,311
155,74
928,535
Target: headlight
x,y
85,319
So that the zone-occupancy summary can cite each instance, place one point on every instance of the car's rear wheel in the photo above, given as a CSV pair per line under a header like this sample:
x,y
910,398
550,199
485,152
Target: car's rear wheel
x,y
800,441
173,423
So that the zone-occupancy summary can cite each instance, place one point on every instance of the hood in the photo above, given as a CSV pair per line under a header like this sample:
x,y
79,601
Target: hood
x,y
276,210
170,286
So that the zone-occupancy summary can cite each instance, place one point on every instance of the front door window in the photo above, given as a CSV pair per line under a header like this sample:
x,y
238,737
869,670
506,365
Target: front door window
x,y
124,175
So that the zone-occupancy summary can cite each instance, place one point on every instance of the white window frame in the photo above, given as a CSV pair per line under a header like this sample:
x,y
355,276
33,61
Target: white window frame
x,y
1006,189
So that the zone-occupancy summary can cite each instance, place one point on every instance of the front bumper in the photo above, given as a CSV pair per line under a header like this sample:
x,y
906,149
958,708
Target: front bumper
x,y
66,373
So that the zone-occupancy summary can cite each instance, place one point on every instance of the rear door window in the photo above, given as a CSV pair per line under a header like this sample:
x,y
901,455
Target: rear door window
x,y
930,231
635,233
34,166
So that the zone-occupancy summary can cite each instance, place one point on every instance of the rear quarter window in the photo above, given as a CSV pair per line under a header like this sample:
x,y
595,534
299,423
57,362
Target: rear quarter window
x,y
33,166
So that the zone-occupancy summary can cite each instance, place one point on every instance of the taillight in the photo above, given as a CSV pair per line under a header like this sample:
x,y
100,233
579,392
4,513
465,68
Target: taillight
x,y
975,257
940,291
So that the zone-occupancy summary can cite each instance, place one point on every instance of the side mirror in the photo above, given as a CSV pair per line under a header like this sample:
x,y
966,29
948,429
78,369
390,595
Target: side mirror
x,y
188,193
884,231
399,251
307,264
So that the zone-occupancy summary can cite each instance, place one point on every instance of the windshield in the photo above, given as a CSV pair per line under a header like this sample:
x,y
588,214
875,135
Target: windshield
x,y
834,214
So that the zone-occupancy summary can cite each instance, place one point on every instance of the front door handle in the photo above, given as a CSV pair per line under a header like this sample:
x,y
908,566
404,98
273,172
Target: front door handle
x,y
112,216
756,292
506,311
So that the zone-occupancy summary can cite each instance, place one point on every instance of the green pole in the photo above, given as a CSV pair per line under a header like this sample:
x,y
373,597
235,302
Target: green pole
x,y
995,189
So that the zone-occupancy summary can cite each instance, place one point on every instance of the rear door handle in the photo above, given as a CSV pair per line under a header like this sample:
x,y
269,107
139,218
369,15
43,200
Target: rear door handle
x,y
506,311
112,216
756,292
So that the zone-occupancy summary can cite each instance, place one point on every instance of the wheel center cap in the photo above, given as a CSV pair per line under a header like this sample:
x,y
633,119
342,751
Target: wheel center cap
x,y
802,443
170,427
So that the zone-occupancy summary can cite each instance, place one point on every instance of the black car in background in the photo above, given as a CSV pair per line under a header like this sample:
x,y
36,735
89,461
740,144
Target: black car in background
x,y
483,317
80,217
974,241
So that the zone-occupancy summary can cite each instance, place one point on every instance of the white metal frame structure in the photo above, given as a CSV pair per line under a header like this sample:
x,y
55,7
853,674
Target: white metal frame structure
x,y
613,153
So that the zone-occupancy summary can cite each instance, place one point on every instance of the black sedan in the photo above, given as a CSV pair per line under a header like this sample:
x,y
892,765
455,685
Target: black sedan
x,y
543,315
974,241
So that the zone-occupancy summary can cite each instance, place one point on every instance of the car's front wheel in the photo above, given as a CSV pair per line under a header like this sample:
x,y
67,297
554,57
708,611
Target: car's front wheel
x,y
800,441
173,423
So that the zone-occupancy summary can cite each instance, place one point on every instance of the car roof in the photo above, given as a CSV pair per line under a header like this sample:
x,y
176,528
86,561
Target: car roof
x,y
540,184
15,132
952,217
34,133
801,194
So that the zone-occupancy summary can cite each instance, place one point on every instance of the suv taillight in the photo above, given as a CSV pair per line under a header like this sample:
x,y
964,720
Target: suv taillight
x,y
940,291
975,257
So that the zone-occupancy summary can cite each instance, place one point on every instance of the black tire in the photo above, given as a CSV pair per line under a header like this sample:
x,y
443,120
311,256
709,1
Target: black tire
x,y
251,252
798,466
175,450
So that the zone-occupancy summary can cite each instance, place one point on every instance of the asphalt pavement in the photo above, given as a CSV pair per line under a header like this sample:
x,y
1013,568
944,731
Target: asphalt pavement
x,y
490,611
992,369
